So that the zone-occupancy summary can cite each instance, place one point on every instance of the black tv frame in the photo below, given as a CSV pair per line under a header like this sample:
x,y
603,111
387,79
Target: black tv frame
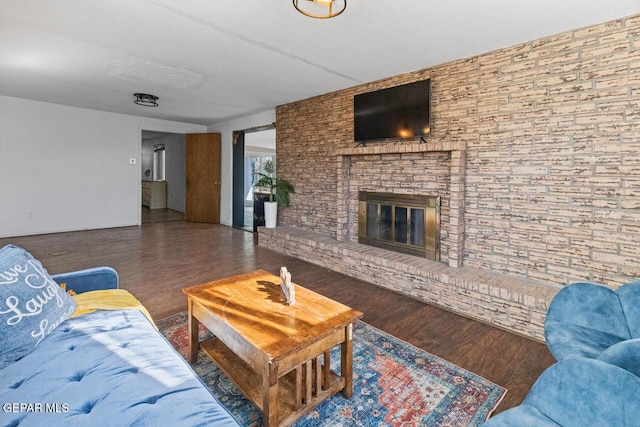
x,y
381,114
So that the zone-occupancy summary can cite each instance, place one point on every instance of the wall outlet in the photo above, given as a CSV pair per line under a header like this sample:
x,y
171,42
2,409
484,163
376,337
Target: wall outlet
x,y
303,218
132,161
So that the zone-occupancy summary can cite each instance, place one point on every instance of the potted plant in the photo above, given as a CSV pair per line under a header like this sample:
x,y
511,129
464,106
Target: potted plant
x,y
279,190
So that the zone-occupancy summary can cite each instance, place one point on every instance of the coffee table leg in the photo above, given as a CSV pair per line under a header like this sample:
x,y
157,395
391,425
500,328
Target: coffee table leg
x,y
194,343
346,362
269,400
327,370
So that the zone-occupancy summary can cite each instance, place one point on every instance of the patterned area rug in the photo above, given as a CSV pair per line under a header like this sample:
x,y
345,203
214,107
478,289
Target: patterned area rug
x,y
395,384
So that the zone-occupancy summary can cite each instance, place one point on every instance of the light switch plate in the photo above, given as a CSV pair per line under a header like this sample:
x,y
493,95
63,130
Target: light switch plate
x,y
132,161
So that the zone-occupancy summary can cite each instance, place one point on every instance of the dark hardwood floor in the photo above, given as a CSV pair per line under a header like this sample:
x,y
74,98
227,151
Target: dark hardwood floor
x,y
155,261
160,215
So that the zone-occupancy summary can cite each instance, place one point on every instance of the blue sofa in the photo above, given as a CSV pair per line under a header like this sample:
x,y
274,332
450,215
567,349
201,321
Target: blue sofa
x,y
593,321
594,334
577,392
106,368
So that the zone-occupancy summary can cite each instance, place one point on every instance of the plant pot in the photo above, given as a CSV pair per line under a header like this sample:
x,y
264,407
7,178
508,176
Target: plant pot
x,y
270,214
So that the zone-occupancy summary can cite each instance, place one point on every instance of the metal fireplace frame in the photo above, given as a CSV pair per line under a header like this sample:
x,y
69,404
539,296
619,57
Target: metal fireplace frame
x,y
431,207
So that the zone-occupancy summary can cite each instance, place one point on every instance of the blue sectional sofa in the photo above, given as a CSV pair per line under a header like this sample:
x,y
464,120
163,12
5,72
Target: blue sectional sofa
x,y
576,393
105,368
594,334
593,321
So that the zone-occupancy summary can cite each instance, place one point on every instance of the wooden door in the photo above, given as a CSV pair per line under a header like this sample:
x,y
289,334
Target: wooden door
x,y
203,178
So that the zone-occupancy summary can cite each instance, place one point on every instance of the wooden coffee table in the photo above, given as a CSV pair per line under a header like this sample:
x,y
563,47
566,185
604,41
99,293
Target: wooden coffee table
x,y
277,354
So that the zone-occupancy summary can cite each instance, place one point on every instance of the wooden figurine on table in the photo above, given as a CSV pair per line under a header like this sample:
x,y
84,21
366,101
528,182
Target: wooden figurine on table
x,y
287,287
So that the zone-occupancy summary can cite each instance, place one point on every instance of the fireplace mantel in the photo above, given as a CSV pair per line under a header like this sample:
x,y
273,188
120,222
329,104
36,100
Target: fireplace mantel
x,y
457,152
393,148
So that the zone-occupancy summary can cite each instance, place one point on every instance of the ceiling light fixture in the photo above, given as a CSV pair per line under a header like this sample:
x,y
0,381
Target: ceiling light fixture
x,y
145,99
321,9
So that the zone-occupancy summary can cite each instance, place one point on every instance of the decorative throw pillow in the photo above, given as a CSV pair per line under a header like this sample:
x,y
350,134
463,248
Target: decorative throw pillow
x,y
31,304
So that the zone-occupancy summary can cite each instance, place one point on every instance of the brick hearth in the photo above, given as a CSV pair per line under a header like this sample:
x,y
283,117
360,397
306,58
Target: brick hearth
x,y
505,301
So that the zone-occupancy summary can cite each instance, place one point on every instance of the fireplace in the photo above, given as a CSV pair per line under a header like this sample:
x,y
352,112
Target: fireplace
x,y
404,223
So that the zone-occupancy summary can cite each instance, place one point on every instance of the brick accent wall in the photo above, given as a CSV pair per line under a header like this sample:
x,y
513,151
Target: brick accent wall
x,y
552,135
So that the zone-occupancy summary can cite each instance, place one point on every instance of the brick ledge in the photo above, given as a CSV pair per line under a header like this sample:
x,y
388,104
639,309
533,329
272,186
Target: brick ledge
x,y
509,302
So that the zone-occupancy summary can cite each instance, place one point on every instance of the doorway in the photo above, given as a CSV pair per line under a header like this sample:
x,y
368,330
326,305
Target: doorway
x,y
162,175
251,148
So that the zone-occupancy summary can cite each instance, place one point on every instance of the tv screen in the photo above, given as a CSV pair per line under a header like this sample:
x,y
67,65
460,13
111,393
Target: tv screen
x,y
396,112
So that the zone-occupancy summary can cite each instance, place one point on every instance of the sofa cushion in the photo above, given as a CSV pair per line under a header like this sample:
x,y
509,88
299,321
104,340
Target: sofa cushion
x,y
577,392
108,368
32,305
566,340
587,392
591,306
625,354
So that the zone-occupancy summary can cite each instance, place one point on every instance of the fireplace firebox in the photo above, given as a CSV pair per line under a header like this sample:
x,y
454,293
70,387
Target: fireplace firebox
x,y
404,223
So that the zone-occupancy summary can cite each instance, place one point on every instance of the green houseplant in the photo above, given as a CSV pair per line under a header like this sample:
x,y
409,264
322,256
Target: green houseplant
x,y
279,190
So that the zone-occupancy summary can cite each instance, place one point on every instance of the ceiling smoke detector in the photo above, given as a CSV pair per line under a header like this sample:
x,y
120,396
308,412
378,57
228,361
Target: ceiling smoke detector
x,y
145,99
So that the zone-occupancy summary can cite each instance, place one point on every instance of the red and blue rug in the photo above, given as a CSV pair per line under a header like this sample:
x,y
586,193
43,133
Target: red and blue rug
x,y
395,384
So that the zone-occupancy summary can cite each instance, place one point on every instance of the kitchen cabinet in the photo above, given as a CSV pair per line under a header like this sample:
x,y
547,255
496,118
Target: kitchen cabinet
x,y
154,194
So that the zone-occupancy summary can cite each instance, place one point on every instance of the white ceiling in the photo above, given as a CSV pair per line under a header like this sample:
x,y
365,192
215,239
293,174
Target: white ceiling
x,y
212,60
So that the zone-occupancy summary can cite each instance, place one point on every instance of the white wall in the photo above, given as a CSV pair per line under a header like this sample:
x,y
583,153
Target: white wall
x,y
226,130
65,168
175,148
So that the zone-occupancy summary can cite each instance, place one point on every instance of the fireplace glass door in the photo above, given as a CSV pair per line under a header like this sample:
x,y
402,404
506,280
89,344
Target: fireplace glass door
x,y
404,223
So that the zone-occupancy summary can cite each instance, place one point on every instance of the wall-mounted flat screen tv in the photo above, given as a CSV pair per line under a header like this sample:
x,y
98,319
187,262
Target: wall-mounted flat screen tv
x,y
396,112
